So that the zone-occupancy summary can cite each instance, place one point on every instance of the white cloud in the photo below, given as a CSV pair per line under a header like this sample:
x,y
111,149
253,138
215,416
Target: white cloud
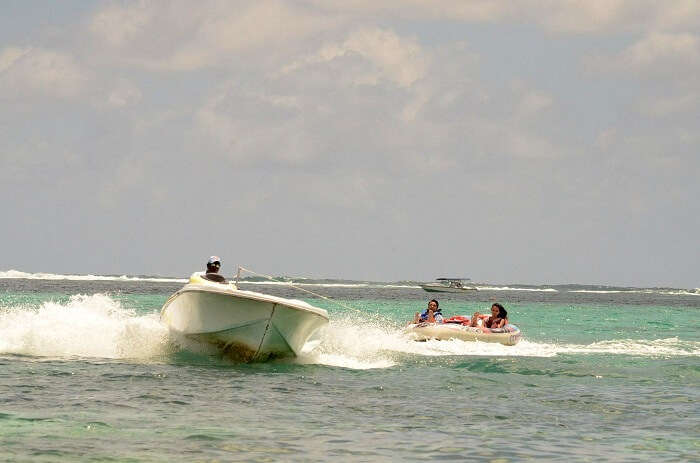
x,y
582,15
561,16
666,64
27,71
179,36
392,101
393,58
123,94
119,24
250,127
666,105
470,10
533,102
658,50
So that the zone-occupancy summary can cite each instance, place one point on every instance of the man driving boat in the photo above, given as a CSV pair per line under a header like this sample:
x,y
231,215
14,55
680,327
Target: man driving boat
x,y
212,273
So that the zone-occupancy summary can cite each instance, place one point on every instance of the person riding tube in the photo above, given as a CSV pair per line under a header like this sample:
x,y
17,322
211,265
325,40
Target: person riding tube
x,y
432,314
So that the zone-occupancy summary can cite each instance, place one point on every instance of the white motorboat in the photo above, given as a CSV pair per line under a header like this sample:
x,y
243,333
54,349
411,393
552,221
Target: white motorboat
x,y
244,325
449,285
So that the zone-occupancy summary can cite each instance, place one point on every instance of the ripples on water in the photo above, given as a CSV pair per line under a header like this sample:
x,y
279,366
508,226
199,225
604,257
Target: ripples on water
x,y
87,371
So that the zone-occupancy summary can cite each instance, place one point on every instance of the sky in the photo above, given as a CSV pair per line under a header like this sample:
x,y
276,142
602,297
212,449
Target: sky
x,y
513,141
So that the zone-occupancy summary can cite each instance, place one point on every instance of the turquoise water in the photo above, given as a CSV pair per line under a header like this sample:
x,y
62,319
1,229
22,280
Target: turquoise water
x,y
88,373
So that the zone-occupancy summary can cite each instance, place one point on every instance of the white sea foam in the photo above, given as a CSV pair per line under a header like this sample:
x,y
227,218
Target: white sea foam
x,y
361,344
654,348
669,292
16,274
508,288
99,326
85,326
327,285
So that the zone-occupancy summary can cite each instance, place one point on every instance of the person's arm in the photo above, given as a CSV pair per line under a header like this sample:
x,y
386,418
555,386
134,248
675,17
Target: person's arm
x,y
431,316
499,324
474,319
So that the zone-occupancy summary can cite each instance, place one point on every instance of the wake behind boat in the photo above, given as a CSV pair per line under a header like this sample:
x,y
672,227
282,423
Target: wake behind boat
x,y
245,325
449,285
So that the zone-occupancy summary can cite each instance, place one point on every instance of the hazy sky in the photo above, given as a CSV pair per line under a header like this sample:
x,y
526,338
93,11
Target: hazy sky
x,y
547,141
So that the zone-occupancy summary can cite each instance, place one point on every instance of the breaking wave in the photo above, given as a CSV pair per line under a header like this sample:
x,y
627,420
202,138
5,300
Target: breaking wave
x,y
16,274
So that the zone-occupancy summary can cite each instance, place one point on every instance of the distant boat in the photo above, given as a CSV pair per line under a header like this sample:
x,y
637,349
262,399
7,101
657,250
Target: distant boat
x,y
449,285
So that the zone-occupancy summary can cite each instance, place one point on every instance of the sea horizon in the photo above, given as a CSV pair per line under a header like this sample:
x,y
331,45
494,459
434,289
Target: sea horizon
x,y
348,282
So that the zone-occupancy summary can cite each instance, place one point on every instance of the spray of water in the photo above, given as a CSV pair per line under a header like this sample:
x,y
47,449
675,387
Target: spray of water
x,y
99,326
362,344
85,326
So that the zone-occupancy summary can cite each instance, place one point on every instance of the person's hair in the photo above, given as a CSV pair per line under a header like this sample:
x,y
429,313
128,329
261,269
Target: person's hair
x,y
437,304
501,310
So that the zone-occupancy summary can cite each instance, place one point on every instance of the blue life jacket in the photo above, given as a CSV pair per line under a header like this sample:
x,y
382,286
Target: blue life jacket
x,y
437,315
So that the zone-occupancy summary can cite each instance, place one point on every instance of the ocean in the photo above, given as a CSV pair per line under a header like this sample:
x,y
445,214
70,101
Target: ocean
x,y
88,373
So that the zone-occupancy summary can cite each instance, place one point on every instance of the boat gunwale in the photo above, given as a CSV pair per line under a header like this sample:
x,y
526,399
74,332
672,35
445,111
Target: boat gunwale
x,y
231,291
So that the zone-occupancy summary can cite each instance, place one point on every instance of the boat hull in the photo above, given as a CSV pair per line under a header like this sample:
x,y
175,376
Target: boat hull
x,y
446,331
446,289
244,325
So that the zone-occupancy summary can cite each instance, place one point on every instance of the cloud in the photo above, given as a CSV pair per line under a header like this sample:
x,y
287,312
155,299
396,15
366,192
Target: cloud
x,y
251,126
393,58
120,24
286,116
559,16
472,10
35,72
375,98
666,65
176,36
583,16
123,94
660,53
532,103
667,105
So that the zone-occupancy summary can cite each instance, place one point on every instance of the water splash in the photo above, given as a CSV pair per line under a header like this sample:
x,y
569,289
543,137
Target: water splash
x,y
652,348
360,344
85,326
99,326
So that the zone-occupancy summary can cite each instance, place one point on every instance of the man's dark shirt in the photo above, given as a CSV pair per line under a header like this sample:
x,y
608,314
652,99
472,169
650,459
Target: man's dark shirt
x,y
215,277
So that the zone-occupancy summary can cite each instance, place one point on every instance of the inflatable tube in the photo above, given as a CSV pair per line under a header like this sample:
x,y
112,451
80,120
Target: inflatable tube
x,y
509,335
